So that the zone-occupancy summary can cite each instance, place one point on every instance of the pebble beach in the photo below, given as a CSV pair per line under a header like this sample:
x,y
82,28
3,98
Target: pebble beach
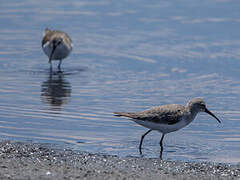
x,y
21,160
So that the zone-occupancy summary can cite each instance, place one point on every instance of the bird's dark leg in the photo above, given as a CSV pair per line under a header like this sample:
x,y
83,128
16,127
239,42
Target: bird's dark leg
x,y
50,62
59,64
161,145
140,145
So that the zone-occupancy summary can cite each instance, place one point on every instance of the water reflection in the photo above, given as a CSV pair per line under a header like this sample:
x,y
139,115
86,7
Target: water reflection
x,y
56,91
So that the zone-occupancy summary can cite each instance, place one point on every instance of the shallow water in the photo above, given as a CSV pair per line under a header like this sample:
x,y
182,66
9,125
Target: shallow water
x,y
127,56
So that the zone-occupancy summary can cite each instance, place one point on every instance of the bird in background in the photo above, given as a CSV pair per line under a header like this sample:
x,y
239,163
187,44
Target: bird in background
x,y
167,118
57,45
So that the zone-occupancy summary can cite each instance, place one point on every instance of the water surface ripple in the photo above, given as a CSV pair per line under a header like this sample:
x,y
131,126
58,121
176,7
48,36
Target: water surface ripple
x,y
127,56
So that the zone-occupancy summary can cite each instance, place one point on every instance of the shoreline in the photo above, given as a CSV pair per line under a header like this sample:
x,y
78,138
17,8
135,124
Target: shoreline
x,y
23,160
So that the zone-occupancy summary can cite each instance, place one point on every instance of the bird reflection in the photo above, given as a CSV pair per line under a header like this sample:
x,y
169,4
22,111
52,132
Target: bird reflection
x,y
56,91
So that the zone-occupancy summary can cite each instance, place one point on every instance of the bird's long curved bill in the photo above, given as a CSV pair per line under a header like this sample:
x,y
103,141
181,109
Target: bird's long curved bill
x,y
209,112
50,57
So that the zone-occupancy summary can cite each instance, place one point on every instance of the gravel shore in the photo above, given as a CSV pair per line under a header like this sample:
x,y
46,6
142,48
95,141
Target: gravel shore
x,y
39,161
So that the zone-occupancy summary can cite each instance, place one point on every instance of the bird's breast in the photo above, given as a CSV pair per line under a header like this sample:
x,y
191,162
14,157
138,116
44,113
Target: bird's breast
x,y
163,128
47,48
61,51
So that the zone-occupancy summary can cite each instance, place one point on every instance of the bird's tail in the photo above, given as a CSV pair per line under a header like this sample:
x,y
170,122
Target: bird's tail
x,y
126,114
119,113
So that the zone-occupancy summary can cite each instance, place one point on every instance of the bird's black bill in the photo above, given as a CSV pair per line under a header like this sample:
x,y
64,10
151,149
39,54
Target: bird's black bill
x,y
209,112
50,58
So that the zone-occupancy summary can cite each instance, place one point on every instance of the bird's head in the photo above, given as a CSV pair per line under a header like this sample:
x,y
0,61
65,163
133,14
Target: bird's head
x,y
198,105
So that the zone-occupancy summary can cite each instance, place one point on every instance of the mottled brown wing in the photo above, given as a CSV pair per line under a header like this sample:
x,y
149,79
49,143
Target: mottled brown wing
x,y
168,114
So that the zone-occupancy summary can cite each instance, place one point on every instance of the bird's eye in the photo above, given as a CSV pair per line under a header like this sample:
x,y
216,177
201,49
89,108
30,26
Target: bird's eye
x,y
203,106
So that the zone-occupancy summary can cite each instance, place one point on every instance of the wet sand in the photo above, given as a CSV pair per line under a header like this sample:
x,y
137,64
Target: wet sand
x,y
20,160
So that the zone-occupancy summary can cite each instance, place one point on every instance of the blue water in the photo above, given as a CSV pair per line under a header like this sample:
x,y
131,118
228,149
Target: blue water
x,y
127,56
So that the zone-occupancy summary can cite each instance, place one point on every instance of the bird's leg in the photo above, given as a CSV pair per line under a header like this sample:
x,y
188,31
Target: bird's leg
x,y
161,145
59,64
50,62
140,145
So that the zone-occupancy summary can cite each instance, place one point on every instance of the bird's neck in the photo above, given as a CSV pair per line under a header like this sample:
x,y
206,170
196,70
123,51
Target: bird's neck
x,y
191,115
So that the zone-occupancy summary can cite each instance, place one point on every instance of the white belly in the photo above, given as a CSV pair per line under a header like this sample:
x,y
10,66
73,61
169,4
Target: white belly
x,y
60,52
163,128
